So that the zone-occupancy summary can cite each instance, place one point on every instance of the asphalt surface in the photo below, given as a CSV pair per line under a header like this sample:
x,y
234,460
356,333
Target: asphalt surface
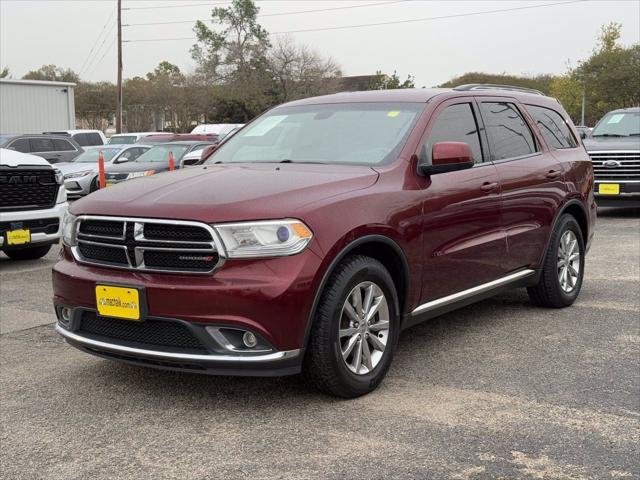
x,y
501,389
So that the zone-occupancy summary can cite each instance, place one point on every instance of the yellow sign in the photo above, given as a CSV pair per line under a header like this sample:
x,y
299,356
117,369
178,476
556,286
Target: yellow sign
x,y
609,189
118,302
18,237
393,113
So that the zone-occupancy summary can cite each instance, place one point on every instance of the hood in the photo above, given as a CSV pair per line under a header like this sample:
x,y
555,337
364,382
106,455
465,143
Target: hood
x,y
11,158
227,193
72,167
594,144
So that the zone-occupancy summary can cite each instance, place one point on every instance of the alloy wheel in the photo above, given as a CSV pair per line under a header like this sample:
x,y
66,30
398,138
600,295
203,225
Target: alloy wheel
x,y
568,261
364,328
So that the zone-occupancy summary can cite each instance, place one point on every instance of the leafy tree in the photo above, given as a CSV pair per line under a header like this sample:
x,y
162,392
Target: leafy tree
x,y
95,103
4,73
382,81
568,90
52,73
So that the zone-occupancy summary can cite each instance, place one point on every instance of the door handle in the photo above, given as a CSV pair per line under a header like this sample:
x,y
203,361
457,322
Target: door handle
x,y
553,174
489,186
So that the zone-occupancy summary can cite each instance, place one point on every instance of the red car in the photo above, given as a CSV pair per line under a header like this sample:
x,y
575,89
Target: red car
x,y
318,232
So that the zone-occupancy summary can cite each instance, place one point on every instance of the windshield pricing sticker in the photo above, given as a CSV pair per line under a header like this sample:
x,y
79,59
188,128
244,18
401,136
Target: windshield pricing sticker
x,y
393,113
616,118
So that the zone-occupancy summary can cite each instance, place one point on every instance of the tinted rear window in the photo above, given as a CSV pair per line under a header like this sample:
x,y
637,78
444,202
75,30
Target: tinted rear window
x,y
509,134
41,145
122,139
62,145
554,129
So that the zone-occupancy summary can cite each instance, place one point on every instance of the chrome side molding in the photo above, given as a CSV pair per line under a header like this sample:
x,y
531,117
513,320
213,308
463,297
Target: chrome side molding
x,y
485,287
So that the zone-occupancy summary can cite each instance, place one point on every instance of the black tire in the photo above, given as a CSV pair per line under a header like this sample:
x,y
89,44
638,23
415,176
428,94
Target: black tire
x,y
94,185
323,365
548,292
31,253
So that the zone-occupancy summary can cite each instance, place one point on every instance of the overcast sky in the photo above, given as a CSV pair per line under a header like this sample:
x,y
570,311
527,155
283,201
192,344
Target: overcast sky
x,y
525,41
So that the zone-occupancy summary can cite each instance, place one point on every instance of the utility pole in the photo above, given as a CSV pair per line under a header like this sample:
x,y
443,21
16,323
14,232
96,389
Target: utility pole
x,y
584,101
119,101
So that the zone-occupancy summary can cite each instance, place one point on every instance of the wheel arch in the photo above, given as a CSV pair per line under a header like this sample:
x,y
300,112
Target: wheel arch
x,y
576,209
379,247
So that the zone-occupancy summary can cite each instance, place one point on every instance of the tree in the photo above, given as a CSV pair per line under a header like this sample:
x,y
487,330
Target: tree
x,y
95,103
4,73
299,71
382,81
53,73
538,82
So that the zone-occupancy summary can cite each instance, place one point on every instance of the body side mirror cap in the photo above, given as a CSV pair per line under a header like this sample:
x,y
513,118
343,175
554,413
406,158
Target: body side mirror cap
x,y
448,157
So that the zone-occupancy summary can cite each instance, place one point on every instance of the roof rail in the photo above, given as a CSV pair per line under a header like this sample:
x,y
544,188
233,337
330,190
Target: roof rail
x,y
491,86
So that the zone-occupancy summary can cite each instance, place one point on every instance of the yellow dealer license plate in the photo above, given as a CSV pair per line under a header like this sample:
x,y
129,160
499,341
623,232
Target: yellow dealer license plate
x,y
18,237
609,189
118,302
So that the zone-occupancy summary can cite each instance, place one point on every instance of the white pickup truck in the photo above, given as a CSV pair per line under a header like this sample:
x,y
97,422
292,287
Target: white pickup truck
x,y
32,203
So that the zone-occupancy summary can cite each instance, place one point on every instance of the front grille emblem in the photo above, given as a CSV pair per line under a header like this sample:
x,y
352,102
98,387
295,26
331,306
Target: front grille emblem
x,y
611,164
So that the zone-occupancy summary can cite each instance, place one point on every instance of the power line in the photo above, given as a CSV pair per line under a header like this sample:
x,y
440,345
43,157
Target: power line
x,y
96,42
275,14
91,63
184,5
105,52
425,19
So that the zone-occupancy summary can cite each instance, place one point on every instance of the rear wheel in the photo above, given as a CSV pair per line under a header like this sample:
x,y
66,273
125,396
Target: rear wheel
x,y
28,253
563,269
355,329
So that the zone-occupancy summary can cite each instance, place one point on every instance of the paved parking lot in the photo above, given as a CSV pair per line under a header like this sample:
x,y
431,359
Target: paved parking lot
x,y
501,389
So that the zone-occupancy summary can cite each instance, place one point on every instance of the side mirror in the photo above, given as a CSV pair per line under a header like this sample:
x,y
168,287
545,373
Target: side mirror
x,y
122,160
207,151
448,157
583,134
188,162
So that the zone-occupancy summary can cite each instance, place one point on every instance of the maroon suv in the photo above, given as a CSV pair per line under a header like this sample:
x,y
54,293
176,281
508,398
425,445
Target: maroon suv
x,y
317,233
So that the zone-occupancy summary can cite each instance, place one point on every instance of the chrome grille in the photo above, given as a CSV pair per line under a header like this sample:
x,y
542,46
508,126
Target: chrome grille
x,y
616,165
147,244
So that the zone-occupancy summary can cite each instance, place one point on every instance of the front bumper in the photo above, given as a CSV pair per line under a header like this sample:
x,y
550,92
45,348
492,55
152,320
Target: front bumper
x,y
27,216
629,195
276,363
271,298
78,187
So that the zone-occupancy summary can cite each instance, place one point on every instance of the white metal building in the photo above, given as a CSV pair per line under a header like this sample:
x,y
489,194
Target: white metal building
x,y
33,106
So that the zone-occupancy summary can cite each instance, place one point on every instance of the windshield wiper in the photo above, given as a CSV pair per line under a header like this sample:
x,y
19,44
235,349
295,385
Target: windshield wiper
x,y
609,135
634,135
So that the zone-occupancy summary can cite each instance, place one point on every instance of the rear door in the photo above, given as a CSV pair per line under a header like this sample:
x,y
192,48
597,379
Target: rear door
x,y
463,239
530,176
65,149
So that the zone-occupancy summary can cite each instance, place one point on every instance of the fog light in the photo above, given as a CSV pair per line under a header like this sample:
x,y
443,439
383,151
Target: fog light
x,y
249,340
66,313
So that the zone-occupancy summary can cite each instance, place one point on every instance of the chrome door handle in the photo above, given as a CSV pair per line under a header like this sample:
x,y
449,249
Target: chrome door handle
x,y
553,174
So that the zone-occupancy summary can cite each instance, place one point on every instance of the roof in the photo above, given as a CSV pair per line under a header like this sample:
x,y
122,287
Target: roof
x,y
628,109
37,82
422,95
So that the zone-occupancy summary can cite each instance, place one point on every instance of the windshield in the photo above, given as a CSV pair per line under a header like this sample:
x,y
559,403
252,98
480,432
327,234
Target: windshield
x,y
91,156
160,153
344,133
618,125
122,139
4,139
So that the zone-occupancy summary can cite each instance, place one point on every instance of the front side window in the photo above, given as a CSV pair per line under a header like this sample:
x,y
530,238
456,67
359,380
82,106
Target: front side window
x,y
618,124
21,145
456,123
41,145
342,133
554,129
509,134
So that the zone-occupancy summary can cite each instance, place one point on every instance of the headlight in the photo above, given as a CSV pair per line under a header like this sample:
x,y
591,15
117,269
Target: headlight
x,y
69,229
84,173
271,238
146,173
59,177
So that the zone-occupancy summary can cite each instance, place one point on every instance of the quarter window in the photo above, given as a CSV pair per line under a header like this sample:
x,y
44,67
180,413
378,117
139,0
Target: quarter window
x,y
456,123
41,145
509,134
554,129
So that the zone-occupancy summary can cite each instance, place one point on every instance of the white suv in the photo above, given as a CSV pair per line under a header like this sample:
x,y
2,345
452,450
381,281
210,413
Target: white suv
x,y
33,203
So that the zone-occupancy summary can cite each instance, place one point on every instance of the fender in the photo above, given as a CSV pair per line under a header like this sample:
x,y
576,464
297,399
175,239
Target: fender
x,y
561,211
339,257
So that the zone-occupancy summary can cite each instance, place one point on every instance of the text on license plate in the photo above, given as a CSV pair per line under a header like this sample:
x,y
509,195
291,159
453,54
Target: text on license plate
x,y
609,189
18,237
118,302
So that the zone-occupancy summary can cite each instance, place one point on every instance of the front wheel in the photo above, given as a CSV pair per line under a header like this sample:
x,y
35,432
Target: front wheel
x,y
355,329
30,253
563,268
